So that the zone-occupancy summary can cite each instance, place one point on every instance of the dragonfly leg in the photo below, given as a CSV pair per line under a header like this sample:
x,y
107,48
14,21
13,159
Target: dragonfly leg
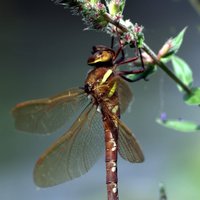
x,y
123,61
112,42
120,49
129,60
139,71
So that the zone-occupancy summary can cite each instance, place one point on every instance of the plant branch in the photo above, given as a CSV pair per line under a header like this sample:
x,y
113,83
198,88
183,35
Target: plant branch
x,y
109,18
147,49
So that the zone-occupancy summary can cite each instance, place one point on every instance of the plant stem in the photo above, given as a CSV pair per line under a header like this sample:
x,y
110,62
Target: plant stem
x,y
109,18
150,52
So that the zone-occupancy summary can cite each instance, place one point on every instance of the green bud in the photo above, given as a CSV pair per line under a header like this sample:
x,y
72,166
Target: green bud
x,y
115,6
93,2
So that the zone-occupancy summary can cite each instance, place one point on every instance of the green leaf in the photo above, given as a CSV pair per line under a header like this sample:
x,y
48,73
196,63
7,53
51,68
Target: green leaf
x,y
179,125
182,71
171,47
122,5
177,41
115,7
194,97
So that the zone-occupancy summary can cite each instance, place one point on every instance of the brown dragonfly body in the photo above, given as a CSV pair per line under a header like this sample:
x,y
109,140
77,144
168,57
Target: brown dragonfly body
x,y
109,105
104,95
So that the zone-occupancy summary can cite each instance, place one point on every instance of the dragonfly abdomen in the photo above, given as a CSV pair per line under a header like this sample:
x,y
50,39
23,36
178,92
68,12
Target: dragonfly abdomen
x,y
111,151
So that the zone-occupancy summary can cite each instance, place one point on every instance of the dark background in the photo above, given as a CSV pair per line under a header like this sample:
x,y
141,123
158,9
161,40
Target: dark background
x,y
43,51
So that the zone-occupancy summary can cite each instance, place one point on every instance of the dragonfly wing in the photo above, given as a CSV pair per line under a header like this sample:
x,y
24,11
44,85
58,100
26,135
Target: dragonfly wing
x,y
125,95
74,153
129,149
45,116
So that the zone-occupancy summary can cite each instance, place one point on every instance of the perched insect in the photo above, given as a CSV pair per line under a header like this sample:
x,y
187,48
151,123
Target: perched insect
x,y
104,96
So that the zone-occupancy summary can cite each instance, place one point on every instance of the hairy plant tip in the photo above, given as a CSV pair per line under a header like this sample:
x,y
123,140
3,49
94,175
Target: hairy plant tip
x,y
95,15
133,36
92,12
115,7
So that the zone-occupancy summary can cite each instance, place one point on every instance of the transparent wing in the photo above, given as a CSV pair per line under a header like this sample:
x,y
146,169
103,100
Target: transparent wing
x,y
74,153
125,95
45,116
129,149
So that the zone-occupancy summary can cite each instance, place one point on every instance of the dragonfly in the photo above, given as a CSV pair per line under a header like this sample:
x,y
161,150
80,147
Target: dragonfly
x,y
97,129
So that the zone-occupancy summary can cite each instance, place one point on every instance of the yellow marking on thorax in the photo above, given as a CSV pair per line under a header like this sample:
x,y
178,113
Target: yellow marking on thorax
x,y
113,89
106,76
115,109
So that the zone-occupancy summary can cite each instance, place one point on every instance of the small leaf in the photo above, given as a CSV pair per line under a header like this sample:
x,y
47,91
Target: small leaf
x,y
179,125
115,7
177,41
122,5
171,47
194,97
182,71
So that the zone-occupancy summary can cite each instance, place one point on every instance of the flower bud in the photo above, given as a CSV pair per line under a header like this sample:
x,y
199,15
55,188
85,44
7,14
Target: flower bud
x,y
166,48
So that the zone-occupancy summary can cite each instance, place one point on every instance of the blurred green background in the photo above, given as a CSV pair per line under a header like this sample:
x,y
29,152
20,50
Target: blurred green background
x,y
43,51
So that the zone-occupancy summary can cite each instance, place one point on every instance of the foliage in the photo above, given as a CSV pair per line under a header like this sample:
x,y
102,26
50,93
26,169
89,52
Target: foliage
x,y
182,71
194,97
107,16
178,124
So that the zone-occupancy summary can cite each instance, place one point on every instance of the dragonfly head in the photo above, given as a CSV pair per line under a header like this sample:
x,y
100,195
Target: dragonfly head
x,y
101,56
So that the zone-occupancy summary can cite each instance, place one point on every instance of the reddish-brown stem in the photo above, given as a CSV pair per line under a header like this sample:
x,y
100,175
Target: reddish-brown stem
x,y
129,60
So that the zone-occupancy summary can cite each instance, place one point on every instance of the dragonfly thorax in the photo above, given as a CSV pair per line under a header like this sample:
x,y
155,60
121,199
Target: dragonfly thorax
x,y
101,85
98,81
